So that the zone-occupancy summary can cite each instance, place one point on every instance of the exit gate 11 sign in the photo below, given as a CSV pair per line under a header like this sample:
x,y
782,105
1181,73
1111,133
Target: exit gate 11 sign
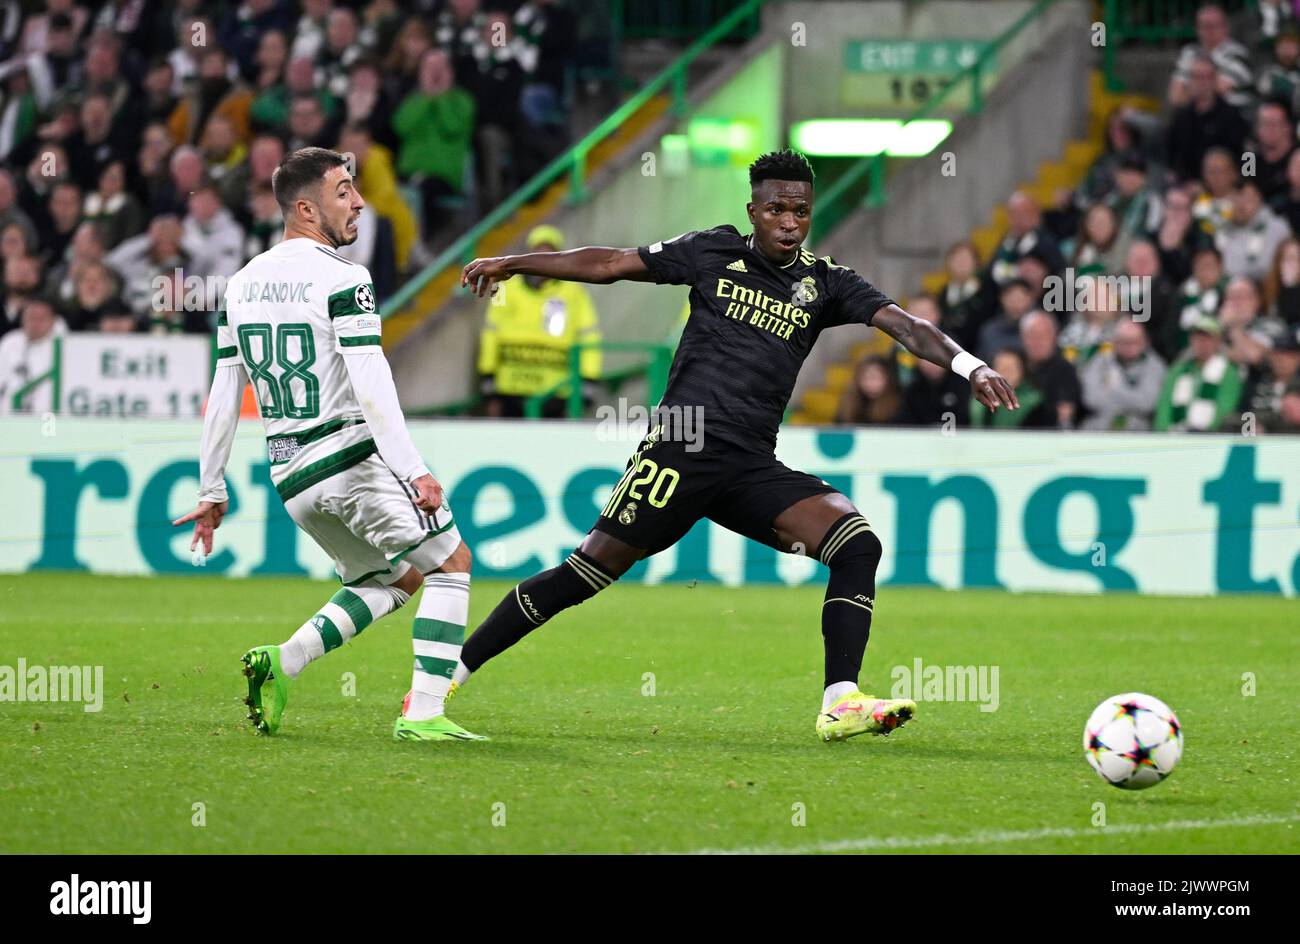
x,y
134,375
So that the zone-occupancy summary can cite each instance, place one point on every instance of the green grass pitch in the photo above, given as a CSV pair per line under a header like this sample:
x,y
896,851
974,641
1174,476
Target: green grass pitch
x,y
721,757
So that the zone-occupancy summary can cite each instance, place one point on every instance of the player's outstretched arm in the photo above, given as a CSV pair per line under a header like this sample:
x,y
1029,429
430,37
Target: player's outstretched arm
x,y
925,340
599,265
219,425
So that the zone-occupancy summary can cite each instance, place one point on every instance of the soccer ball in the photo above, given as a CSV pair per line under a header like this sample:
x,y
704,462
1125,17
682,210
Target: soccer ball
x,y
1133,741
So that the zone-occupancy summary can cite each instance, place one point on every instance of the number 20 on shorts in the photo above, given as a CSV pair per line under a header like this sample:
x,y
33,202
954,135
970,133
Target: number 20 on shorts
x,y
662,483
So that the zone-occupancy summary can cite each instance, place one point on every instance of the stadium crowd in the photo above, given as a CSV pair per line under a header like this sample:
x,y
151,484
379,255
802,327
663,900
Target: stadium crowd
x,y
1164,292
137,140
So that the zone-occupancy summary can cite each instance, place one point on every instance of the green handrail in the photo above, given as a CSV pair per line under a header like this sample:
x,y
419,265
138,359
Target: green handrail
x,y
830,208
455,408
663,20
1156,20
573,161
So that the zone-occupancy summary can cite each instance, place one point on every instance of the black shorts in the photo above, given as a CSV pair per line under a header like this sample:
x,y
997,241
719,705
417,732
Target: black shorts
x,y
666,489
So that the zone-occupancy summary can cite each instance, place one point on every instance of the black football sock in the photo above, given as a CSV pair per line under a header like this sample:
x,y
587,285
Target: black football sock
x,y
852,551
532,603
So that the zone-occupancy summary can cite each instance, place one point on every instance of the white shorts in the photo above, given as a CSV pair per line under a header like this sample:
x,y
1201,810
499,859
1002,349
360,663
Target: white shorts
x,y
365,518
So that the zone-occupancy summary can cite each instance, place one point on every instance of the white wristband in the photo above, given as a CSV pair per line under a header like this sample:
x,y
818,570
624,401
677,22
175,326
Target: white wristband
x,y
964,364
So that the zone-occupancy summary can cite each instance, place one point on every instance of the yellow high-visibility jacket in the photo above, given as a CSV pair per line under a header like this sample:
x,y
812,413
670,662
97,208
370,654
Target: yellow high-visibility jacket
x,y
528,333
378,185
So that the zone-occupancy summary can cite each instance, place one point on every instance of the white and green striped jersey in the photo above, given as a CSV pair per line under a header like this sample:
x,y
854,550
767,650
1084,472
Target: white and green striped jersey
x,y
290,316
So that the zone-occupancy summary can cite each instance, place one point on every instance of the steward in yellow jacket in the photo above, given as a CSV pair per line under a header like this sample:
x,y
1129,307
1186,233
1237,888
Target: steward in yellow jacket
x,y
531,326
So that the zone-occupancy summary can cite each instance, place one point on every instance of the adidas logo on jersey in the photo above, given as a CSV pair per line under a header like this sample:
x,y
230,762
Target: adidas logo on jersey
x,y
738,266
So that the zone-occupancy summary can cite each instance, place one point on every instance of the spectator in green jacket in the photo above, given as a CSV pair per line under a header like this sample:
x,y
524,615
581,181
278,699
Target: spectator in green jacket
x,y
270,111
436,125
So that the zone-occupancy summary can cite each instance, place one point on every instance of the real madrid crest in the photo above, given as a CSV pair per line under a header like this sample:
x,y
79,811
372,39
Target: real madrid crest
x,y
628,514
805,291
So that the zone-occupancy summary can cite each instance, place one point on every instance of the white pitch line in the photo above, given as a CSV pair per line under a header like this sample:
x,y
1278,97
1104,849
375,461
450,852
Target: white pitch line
x,y
998,837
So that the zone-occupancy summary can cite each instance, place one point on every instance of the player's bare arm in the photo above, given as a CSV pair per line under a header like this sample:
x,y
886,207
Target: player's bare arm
x,y
926,341
598,265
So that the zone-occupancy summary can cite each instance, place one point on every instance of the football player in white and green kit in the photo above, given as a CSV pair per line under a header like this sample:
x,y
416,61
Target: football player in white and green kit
x,y
300,321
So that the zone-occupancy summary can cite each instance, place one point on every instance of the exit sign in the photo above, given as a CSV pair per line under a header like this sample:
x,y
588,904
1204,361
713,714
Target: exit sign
x,y
937,56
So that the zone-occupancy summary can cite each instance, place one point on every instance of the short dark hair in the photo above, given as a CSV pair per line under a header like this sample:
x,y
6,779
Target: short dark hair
x,y
785,164
304,168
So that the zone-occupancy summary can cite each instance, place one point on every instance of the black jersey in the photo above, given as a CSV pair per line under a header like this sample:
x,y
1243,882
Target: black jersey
x,y
752,323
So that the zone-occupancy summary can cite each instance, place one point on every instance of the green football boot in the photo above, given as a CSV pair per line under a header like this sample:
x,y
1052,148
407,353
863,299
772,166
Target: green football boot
x,y
856,713
268,688
440,728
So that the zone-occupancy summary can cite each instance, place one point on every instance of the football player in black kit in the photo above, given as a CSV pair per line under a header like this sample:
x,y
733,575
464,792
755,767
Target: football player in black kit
x,y
757,304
